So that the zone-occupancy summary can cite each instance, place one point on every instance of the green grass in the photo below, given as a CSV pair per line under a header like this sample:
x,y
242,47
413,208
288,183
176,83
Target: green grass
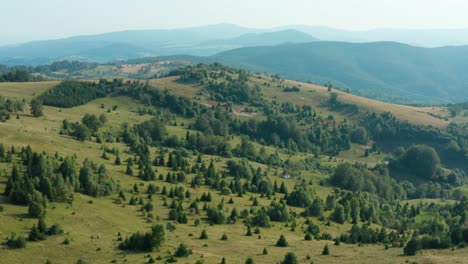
x,y
92,227
25,90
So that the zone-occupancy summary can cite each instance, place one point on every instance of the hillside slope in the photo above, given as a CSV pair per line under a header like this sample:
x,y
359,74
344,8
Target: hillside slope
x,y
209,157
384,70
317,96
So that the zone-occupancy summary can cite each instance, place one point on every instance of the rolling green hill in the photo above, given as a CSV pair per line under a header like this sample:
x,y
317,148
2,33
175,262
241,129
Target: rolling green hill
x,y
384,70
214,165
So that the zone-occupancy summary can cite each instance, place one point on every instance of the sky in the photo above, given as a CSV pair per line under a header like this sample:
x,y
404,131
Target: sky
x,y
27,20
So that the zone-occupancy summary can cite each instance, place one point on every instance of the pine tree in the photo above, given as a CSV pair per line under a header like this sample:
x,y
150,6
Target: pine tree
x,y
339,214
326,250
41,225
290,258
203,234
129,170
117,159
35,234
249,231
282,242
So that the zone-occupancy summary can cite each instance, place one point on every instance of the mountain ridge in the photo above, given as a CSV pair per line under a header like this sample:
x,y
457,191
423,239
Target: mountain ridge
x,y
378,69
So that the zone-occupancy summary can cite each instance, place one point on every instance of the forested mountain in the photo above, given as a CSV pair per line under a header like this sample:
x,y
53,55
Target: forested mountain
x,y
384,70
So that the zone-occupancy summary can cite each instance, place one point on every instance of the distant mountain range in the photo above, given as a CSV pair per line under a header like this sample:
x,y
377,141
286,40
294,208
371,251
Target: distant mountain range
x,y
124,45
384,70
428,38
362,61
205,41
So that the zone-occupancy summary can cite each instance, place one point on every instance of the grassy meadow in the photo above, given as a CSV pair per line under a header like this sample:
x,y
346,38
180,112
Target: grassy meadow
x,y
92,224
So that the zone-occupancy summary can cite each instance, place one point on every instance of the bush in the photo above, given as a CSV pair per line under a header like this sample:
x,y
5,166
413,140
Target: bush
x,y
215,215
35,209
183,251
35,234
145,242
261,219
249,260
55,229
412,247
16,242
290,258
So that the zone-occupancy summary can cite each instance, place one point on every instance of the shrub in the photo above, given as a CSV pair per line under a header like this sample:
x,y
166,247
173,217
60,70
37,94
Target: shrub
x,y
412,247
215,215
249,260
35,234
35,209
290,258
145,242
16,242
183,251
55,229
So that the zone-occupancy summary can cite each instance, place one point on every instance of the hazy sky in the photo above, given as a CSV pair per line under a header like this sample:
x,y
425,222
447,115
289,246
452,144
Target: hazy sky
x,y
25,20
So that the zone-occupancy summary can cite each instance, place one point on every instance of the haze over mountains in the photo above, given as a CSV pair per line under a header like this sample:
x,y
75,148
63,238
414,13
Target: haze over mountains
x,y
388,71
425,72
207,40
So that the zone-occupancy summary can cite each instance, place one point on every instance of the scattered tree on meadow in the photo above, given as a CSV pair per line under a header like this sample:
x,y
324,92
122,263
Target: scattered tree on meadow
x,y
36,107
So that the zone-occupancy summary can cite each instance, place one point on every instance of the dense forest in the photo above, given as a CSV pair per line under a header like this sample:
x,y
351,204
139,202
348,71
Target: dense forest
x,y
71,93
451,143
20,75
